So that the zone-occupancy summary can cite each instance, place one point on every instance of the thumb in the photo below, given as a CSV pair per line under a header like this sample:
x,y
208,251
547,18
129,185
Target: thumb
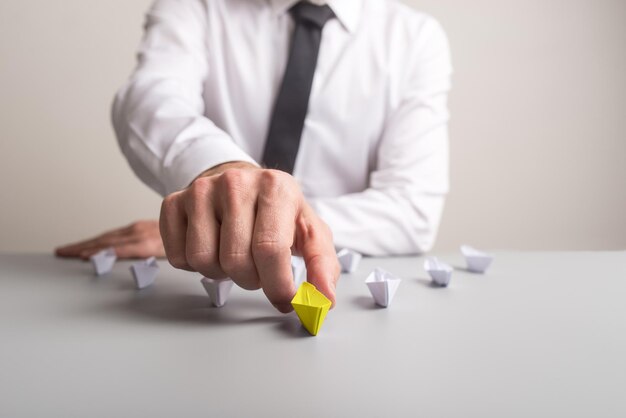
x,y
314,241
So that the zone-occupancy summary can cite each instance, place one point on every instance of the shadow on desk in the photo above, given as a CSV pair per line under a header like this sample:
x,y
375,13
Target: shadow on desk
x,y
427,282
115,295
194,310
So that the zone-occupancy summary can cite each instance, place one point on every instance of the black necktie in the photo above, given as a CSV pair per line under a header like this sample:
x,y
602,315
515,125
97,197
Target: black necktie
x,y
290,109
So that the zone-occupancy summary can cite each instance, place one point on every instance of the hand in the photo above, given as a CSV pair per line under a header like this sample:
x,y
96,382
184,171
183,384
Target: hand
x,y
243,222
140,239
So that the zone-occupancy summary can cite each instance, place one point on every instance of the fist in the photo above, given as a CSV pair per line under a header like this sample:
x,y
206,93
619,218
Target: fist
x,y
245,223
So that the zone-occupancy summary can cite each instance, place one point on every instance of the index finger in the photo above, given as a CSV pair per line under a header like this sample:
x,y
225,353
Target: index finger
x,y
272,241
314,241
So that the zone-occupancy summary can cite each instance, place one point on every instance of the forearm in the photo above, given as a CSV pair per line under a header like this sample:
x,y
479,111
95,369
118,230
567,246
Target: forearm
x,y
382,223
158,115
400,211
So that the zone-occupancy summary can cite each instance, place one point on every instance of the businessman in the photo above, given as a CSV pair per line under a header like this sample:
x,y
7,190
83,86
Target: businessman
x,y
274,127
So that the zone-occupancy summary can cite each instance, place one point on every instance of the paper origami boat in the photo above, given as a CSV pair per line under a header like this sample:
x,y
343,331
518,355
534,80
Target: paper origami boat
x,y
383,286
218,290
298,268
144,272
103,261
477,261
311,306
349,260
440,272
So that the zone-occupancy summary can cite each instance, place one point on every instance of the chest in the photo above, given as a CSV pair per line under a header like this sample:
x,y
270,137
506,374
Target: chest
x,y
350,90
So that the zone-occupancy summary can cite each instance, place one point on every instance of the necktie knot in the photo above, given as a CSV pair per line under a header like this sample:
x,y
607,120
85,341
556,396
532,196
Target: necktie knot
x,y
304,11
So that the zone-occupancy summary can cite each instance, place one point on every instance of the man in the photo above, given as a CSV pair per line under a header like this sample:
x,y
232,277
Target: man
x,y
267,124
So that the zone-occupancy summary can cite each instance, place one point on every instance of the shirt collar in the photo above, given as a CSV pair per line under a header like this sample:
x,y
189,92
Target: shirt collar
x,y
348,12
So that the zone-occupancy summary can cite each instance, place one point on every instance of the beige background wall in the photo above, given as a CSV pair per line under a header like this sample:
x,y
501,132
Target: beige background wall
x,y
538,128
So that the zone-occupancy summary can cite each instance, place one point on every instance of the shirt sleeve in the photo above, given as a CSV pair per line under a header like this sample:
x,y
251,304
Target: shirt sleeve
x,y
400,211
158,115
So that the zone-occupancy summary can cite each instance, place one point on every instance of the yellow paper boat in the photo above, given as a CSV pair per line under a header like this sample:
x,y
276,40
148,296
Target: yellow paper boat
x,y
311,306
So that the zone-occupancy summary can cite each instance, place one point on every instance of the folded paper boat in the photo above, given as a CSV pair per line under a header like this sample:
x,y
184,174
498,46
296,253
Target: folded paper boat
x,y
439,271
383,286
103,261
218,290
311,306
477,261
145,272
349,260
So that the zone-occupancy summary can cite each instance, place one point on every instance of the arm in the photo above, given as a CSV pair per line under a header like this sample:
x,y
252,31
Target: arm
x,y
399,212
235,219
158,115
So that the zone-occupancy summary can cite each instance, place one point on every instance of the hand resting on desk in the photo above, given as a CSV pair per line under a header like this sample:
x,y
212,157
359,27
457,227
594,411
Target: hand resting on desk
x,y
140,239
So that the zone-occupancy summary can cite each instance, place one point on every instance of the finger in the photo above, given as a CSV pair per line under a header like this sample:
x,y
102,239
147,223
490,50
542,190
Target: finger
x,y
93,247
272,240
173,228
86,254
203,232
237,209
136,249
315,242
101,241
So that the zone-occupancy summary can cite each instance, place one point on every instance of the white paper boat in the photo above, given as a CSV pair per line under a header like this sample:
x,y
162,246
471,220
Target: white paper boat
x,y
103,261
298,268
477,261
145,272
383,286
349,260
218,290
440,272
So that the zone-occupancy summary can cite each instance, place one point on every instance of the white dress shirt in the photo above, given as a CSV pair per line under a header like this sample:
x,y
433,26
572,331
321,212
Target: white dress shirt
x,y
373,158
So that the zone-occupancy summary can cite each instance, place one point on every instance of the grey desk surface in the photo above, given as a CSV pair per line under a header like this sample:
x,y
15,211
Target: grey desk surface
x,y
542,334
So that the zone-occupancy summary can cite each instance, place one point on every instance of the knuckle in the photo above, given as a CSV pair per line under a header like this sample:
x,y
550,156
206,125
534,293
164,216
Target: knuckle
x,y
205,263
200,183
232,262
199,260
239,266
169,204
178,262
277,186
199,189
272,180
232,178
268,248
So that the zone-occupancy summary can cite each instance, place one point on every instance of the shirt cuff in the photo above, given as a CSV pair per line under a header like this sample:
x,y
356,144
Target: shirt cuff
x,y
198,157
